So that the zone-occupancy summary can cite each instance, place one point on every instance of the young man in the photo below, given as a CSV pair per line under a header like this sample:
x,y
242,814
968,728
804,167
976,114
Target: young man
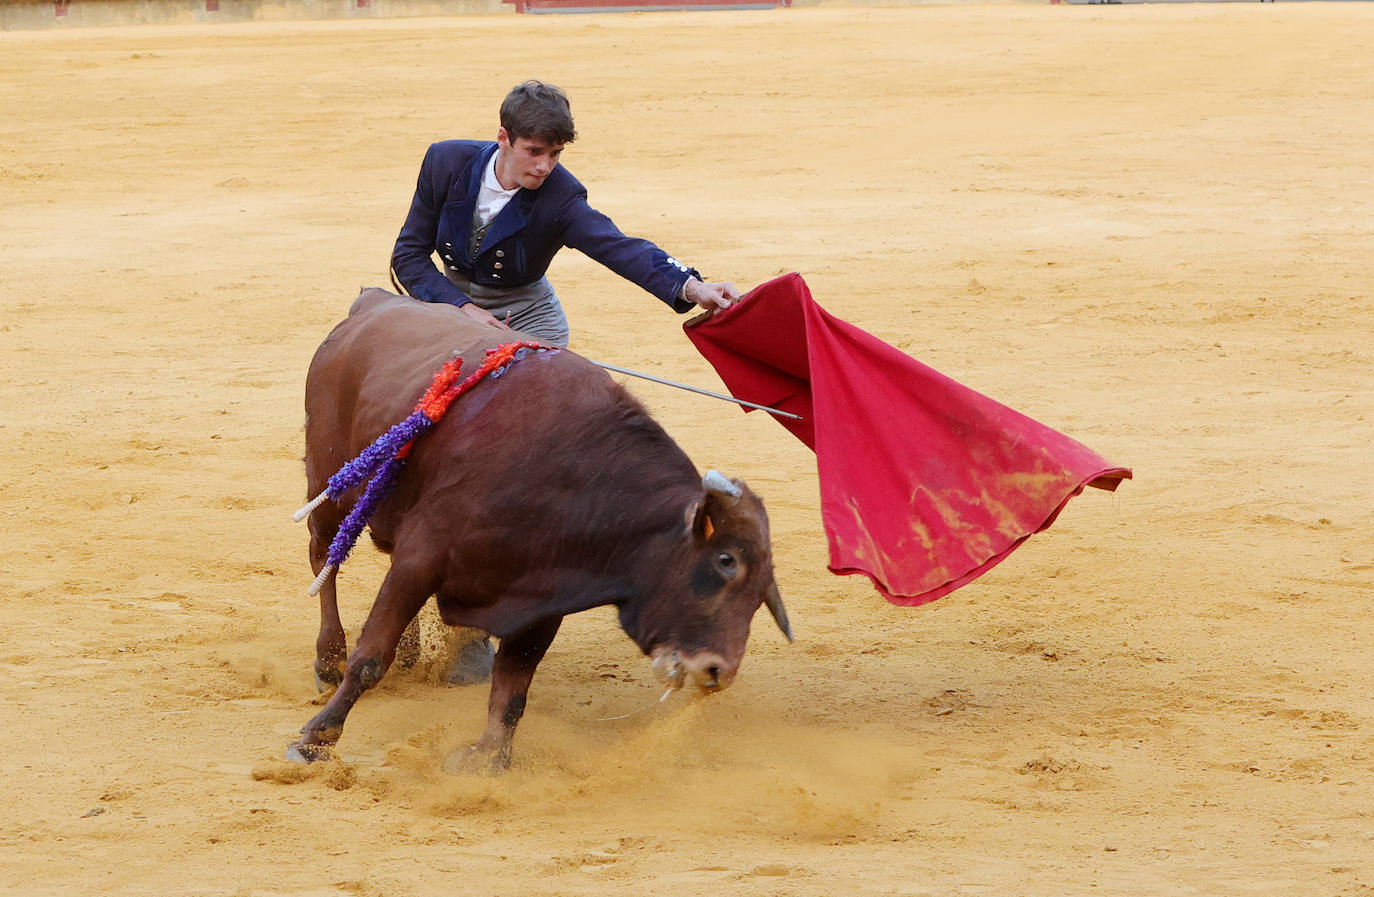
x,y
496,213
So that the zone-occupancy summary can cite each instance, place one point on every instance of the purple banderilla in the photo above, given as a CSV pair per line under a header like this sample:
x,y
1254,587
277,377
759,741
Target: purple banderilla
x,y
382,461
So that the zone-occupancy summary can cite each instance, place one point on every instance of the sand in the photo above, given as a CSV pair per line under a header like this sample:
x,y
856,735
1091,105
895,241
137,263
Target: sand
x,y
1147,226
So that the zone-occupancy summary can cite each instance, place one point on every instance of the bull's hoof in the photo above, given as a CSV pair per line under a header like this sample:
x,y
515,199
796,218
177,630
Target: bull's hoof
x,y
304,753
472,760
472,665
328,676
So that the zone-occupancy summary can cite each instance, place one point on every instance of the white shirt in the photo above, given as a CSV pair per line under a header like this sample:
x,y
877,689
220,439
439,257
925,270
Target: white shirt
x,y
492,198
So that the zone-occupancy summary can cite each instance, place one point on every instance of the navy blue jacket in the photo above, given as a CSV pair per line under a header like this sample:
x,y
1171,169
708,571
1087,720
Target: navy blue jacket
x,y
523,237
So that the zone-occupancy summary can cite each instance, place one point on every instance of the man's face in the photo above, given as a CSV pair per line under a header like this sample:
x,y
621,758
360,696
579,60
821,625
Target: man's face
x,y
526,162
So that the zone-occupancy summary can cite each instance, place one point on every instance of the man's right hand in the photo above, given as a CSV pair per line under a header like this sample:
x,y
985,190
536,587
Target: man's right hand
x,y
482,316
710,295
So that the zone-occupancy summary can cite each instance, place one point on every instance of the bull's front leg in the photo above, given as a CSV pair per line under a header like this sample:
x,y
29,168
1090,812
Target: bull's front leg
x,y
516,661
402,594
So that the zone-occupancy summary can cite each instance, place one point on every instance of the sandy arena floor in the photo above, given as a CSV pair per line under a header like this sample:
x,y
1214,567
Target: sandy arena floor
x,y
1147,226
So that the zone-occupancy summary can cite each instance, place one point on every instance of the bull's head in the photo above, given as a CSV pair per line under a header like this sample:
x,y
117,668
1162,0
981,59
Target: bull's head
x,y
721,575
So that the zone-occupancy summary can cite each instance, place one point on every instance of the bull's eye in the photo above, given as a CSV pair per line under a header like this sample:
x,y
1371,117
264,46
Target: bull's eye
x,y
716,570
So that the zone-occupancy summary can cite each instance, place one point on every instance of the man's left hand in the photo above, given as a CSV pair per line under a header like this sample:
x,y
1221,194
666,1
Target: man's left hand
x,y
711,295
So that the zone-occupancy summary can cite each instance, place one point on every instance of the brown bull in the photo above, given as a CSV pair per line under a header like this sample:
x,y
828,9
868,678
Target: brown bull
x,y
543,493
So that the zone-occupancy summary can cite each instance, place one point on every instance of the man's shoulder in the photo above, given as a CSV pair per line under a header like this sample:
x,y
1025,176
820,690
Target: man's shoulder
x,y
561,182
457,150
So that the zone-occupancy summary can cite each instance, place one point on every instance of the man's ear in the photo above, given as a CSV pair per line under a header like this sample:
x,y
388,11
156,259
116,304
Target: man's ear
x,y
502,138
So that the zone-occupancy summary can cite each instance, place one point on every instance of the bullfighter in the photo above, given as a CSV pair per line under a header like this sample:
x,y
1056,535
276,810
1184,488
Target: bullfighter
x,y
496,213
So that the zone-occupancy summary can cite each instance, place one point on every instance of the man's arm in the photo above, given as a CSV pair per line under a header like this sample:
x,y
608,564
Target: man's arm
x,y
640,261
411,258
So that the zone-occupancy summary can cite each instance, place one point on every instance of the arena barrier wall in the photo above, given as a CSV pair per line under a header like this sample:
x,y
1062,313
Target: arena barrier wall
x,y
42,14
37,14
546,6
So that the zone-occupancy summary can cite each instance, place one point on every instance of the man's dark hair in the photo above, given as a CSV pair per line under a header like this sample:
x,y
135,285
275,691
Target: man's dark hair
x,y
538,111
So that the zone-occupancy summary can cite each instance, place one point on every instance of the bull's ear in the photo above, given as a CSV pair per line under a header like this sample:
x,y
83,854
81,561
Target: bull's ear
x,y
697,520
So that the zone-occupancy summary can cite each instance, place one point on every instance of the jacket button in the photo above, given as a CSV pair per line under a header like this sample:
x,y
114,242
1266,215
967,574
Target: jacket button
x,y
448,258
453,267
500,253
497,265
448,245
496,277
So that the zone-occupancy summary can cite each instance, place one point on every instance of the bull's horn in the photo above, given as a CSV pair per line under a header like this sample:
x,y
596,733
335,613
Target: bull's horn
x,y
774,602
718,483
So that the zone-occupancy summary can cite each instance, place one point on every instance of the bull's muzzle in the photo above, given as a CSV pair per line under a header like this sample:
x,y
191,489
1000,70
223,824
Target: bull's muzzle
x,y
707,670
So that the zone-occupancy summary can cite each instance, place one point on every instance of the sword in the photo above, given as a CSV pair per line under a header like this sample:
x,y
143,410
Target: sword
x,y
697,390
620,370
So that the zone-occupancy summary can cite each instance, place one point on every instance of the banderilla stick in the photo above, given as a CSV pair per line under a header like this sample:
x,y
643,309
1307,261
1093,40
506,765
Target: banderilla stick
x,y
697,390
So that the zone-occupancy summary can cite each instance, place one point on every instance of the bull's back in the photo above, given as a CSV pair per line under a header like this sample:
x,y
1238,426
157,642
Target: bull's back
x,y
371,369
393,341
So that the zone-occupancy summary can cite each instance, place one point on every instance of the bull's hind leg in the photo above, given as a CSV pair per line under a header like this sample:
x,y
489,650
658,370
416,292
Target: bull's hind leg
x,y
331,646
516,660
402,594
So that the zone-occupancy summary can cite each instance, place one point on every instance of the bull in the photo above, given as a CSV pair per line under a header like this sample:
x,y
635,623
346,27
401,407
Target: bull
x,y
546,492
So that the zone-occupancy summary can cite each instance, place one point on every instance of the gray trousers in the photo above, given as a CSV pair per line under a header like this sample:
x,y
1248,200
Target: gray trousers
x,y
532,309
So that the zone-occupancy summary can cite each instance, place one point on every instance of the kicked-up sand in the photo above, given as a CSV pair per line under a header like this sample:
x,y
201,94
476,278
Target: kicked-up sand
x,y
1151,227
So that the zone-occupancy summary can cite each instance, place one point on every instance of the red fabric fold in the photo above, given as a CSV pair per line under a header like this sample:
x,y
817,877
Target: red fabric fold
x,y
925,484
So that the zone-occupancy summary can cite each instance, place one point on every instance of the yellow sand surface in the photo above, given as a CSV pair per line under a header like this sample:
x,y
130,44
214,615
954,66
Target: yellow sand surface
x,y
1147,226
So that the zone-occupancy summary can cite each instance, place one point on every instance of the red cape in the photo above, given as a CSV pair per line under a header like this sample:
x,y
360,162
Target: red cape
x,y
925,484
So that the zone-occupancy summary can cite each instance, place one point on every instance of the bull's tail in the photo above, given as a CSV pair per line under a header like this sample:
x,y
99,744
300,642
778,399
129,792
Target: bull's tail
x,y
396,284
